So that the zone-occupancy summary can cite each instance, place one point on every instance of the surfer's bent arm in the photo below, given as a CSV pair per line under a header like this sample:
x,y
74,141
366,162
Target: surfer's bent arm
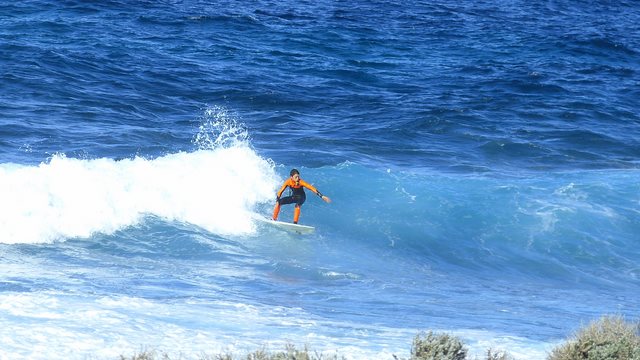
x,y
284,186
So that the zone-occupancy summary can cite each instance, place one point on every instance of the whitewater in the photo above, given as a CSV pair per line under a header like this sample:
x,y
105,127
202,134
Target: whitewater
x,y
67,198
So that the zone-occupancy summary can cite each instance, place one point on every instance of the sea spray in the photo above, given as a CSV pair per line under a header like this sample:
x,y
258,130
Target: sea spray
x,y
219,128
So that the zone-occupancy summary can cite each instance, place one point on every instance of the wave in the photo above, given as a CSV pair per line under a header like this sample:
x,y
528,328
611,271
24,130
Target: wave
x,y
565,225
214,187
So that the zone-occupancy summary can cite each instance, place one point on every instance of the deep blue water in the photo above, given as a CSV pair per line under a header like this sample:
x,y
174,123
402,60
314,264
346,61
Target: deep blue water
x,y
482,157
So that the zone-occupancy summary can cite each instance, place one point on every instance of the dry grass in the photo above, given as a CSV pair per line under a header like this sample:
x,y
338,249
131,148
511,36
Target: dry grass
x,y
609,338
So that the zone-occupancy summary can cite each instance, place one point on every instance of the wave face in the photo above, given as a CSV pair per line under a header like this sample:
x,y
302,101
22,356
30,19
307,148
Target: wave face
x,y
482,159
544,227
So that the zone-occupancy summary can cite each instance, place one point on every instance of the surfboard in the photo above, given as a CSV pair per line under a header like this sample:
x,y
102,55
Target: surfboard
x,y
296,228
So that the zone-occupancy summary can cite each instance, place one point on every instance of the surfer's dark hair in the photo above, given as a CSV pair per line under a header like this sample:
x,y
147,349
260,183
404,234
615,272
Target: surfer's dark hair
x,y
294,172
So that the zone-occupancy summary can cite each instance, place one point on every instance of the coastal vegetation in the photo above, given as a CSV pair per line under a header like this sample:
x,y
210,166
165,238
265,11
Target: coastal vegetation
x,y
608,338
611,337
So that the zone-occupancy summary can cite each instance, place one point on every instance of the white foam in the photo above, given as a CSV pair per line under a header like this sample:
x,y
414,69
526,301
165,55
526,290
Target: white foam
x,y
67,198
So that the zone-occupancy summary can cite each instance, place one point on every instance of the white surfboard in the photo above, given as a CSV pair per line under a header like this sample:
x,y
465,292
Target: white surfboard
x,y
296,228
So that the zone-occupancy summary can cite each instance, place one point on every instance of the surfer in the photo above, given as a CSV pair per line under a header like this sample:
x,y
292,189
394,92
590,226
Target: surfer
x,y
296,196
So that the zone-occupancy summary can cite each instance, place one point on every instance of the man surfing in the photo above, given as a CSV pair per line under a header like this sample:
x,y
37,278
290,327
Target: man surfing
x,y
297,195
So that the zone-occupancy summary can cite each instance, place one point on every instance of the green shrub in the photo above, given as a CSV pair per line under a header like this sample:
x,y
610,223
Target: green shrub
x,y
609,338
437,347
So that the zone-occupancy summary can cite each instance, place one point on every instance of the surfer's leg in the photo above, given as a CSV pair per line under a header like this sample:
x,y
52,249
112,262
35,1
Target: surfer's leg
x,y
296,211
276,211
283,201
296,214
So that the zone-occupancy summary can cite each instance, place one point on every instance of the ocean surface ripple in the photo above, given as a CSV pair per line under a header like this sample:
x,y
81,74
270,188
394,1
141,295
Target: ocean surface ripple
x,y
482,157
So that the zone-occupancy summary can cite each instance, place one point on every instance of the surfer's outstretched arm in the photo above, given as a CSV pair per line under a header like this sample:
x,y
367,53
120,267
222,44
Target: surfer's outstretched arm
x,y
312,188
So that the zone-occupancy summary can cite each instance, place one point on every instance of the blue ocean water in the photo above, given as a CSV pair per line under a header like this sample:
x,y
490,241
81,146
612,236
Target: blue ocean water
x,y
482,157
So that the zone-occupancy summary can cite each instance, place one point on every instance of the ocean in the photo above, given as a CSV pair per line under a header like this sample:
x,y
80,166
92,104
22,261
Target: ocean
x,y
482,158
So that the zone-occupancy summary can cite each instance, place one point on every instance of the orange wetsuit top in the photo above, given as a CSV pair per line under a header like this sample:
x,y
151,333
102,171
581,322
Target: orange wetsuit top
x,y
297,187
